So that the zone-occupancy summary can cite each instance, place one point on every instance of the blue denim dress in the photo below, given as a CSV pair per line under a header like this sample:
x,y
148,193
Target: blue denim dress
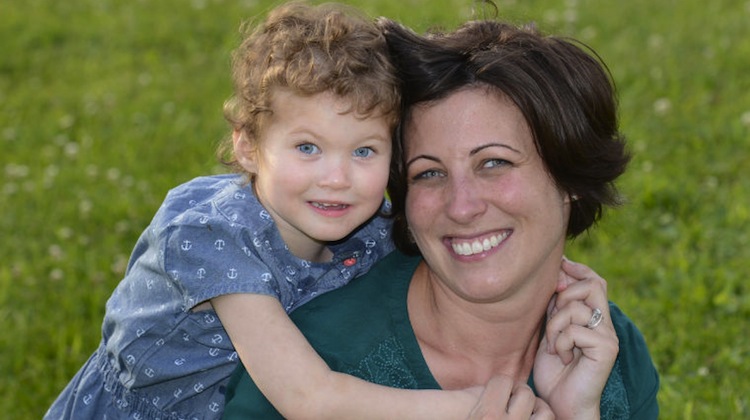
x,y
159,359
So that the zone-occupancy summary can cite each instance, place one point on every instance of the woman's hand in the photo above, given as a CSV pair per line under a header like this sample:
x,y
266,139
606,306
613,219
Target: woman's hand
x,y
504,399
578,349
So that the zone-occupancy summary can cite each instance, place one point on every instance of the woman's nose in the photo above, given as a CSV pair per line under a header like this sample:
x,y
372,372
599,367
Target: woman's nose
x,y
465,201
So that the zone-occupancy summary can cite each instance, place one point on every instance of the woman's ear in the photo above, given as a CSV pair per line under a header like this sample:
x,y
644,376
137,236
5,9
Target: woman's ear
x,y
570,198
245,151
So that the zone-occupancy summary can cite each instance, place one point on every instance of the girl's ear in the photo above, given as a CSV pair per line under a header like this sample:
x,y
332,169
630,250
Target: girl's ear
x,y
245,151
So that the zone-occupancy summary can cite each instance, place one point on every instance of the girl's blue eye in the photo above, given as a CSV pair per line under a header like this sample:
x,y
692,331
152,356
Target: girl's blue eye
x,y
363,152
308,148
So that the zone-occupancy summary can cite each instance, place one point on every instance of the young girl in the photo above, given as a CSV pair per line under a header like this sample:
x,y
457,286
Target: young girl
x,y
314,106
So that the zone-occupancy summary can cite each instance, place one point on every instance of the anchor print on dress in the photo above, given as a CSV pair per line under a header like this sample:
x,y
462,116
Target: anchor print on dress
x,y
383,233
214,406
369,245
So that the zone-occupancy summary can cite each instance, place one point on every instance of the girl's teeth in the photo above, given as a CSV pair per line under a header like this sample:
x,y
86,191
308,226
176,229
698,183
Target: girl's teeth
x,y
327,206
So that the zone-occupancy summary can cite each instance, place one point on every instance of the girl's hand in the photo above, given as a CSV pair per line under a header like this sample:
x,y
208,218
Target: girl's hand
x,y
506,400
577,352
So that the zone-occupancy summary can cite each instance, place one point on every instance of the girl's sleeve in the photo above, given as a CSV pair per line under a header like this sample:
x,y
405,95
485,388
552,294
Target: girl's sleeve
x,y
208,257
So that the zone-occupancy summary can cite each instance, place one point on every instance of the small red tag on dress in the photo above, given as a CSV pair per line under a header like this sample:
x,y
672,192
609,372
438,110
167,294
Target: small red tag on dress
x,y
350,262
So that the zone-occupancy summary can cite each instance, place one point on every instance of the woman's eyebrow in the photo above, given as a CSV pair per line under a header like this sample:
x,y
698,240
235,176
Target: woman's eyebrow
x,y
472,152
485,146
415,158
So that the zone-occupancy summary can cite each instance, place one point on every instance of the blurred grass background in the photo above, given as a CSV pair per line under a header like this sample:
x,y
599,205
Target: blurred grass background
x,y
106,104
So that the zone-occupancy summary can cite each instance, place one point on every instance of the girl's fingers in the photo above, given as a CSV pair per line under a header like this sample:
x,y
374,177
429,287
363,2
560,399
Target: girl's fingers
x,y
522,400
504,398
542,411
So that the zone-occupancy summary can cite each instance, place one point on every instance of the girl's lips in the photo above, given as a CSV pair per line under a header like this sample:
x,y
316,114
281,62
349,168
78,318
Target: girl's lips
x,y
467,247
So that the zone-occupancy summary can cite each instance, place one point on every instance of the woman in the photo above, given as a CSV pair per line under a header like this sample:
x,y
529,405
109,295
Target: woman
x,y
508,146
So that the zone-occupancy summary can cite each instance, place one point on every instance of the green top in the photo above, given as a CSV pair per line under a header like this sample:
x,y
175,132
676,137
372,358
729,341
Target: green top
x,y
363,330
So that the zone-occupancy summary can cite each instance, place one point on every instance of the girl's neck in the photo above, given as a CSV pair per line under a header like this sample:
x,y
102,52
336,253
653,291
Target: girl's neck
x,y
317,255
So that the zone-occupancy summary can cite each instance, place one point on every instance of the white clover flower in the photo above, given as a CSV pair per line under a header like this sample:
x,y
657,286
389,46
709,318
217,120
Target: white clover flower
x,y
662,106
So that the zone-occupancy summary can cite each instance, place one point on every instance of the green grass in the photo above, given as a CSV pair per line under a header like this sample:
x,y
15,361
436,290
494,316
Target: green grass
x,y
106,104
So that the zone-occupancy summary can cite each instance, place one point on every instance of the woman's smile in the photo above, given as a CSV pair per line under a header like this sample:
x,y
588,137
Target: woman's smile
x,y
478,245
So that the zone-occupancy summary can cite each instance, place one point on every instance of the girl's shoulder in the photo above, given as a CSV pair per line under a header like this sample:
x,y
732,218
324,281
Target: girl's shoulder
x,y
226,199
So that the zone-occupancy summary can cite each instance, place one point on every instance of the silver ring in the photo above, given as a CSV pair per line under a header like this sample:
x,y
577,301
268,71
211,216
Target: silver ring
x,y
596,319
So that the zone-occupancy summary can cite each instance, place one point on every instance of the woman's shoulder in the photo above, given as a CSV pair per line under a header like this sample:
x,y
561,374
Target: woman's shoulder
x,y
386,280
367,300
631,339
634,365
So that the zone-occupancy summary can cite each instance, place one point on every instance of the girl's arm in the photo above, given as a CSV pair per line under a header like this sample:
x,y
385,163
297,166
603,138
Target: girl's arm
x,y
297,381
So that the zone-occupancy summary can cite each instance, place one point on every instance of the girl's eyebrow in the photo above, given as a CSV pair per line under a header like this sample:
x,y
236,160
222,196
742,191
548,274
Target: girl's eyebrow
x,y
471,153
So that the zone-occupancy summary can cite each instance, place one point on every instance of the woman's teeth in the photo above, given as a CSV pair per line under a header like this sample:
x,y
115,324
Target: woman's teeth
x,y
477,246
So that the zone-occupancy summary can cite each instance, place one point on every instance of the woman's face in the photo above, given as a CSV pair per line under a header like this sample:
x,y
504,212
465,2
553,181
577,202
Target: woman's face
x,y
481,206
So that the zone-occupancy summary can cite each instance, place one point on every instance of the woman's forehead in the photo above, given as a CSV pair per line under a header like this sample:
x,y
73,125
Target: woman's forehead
x,y
466,119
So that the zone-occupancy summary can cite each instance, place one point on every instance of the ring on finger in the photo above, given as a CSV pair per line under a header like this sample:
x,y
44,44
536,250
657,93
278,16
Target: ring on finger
x,y
596,319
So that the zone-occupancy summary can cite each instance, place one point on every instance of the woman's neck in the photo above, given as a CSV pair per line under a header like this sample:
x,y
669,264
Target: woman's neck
x,y
465,343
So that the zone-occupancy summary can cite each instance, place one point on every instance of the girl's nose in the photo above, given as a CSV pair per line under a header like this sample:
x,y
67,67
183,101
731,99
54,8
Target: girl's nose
x,y
336,175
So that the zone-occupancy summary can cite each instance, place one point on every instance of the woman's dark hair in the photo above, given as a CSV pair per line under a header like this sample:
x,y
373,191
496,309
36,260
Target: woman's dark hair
x,y
565,94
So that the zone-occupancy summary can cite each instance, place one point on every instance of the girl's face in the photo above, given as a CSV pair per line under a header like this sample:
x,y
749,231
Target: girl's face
x,y
481,206
319,171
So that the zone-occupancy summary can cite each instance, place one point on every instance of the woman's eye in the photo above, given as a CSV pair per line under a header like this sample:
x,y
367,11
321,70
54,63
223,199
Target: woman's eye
x,y
429,174
363,152
492,163
308,148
